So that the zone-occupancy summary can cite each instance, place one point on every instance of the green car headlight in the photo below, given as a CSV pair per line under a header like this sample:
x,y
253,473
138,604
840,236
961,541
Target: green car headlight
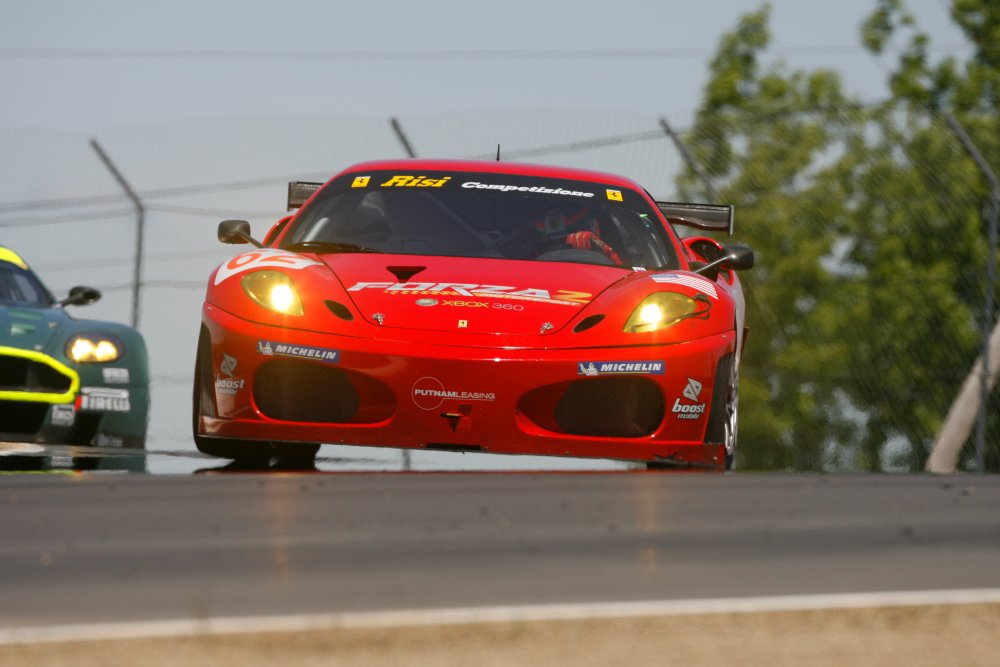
x,y
273,290
94,348
663,309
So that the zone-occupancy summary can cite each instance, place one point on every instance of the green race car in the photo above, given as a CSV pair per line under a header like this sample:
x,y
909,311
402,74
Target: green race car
x,y
63,380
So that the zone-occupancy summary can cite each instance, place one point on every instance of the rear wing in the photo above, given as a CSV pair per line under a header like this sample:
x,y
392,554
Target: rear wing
x,y
712,217
299,193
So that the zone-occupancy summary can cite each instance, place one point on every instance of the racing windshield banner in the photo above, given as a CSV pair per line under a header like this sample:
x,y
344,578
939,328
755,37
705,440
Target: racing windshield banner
x,y
488,183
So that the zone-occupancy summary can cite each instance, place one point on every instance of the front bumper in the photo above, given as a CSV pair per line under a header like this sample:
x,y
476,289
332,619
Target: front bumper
x,y
647,403
46,400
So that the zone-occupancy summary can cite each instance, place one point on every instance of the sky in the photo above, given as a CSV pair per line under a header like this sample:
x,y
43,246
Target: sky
x,y
100,64
187,95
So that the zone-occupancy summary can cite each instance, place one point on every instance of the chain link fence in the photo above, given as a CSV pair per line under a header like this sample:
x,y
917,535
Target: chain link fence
x,y
865,308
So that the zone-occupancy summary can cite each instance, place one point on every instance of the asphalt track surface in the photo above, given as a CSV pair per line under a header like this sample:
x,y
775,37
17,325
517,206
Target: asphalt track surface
x,y
92,548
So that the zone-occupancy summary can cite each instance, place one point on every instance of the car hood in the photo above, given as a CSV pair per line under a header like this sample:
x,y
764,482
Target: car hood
x,y
29,328
467,293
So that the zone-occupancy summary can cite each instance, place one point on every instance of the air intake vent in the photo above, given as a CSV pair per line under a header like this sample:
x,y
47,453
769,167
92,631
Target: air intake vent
x,y
340,310
21,417
302,391
20,374
610,407
587,323
404,273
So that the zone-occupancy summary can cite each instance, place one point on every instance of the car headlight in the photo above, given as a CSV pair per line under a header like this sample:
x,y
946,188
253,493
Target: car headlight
x,y
94,348
663,309
273,290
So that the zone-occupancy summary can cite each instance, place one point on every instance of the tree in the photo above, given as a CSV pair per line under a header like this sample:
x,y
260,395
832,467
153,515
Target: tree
x,y
970,91
864,225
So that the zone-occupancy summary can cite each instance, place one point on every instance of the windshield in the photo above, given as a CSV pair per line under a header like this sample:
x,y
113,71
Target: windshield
x,y
20,287
482,215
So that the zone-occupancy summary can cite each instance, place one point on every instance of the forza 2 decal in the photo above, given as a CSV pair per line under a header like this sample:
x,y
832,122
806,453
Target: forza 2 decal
x,y
262,259
561,297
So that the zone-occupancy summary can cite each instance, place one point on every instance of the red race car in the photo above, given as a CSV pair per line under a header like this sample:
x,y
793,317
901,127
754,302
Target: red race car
x,y
475,307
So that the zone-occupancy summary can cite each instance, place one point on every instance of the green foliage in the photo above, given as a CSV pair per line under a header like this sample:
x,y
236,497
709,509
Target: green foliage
x,y
864,307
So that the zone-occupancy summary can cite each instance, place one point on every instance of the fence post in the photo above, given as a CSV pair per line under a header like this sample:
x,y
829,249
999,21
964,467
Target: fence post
x,y
959,429
140,229
398,129
689,159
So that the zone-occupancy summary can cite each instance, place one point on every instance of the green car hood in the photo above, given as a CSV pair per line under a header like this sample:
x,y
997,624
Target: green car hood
x,y
29,328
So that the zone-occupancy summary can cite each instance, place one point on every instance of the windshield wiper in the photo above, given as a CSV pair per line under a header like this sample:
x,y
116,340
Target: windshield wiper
x,y
323,247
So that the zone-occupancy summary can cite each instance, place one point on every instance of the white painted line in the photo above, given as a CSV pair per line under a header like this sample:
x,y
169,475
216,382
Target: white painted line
x,y
476,615
19,448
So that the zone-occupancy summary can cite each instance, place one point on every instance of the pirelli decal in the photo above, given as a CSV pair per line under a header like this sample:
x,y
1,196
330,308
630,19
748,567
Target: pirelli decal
x,y
104,399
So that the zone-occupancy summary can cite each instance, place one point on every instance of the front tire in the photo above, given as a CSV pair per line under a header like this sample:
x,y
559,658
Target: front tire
x,y
723,420
732,419
254,453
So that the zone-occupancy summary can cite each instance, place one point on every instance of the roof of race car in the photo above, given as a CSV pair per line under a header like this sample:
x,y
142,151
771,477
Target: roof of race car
x,y
8,255
492,166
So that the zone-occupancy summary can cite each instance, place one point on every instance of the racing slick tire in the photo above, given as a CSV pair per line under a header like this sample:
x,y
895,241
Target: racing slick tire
x,y
247,453
723,421
250,452
295,455
723,418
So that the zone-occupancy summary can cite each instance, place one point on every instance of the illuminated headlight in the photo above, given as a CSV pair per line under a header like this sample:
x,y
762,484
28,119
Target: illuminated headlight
x,y
661,310
274,291
94,349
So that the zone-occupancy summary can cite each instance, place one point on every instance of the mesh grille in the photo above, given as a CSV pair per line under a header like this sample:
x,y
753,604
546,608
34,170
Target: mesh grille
x,y
610,407
708,250
18,373
294,390
22,417
303,392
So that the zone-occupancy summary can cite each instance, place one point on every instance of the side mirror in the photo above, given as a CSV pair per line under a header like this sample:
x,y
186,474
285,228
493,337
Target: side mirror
x,y
236,231
736,257
81,296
